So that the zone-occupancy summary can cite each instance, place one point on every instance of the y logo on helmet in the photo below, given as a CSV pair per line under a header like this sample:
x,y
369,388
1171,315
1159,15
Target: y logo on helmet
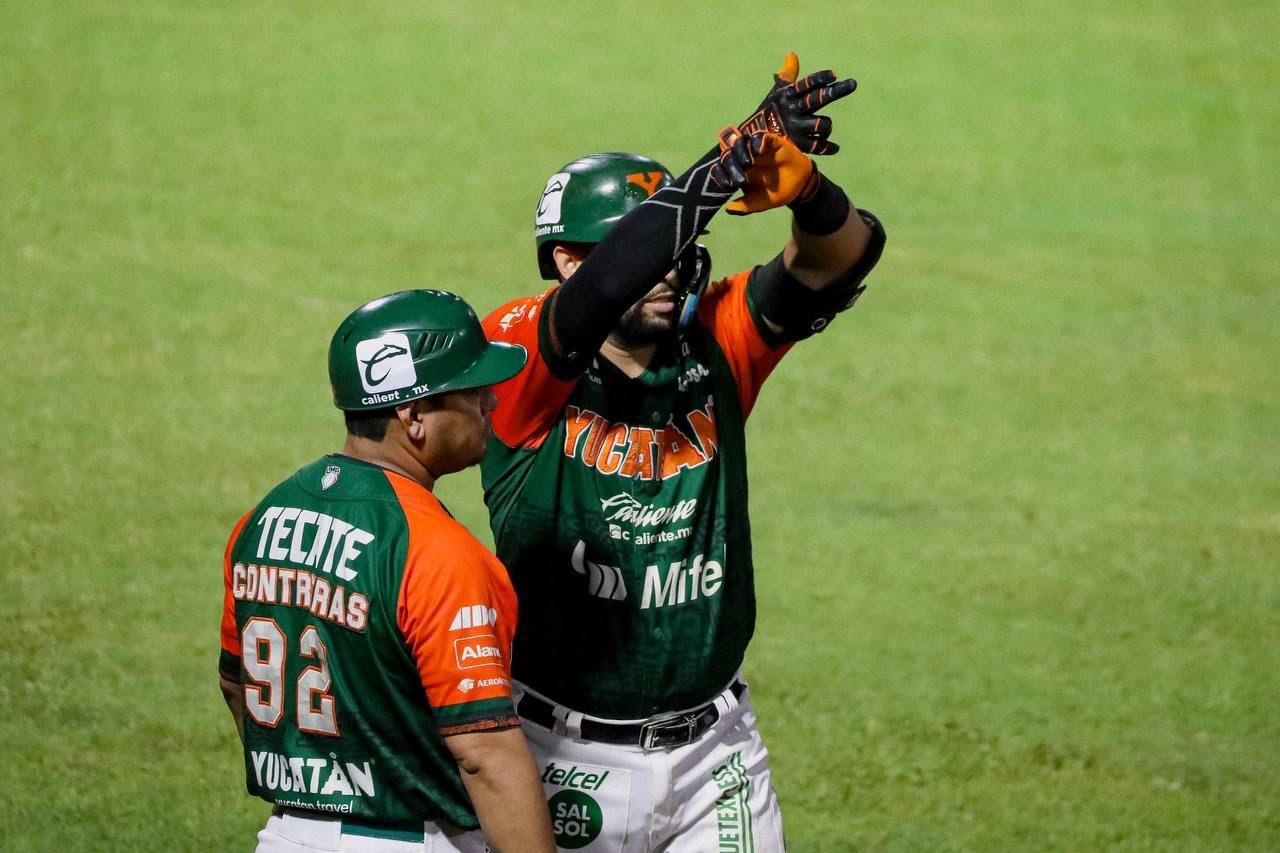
x,y
647,181
552,194
385,363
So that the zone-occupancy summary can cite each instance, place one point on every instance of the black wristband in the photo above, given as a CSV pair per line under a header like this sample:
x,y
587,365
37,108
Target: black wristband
x,y
824,211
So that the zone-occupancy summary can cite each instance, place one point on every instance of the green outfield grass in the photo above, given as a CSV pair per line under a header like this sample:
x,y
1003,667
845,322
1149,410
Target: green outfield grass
x,y
1017,517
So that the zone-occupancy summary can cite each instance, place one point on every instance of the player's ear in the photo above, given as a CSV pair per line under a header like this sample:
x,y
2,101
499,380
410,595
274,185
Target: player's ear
x,y
410,417
566,260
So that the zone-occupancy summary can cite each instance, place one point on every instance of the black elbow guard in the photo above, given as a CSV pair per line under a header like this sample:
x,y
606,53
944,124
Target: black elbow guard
x,y
802,311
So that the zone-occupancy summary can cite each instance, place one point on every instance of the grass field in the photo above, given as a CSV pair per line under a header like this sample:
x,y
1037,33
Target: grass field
x,y
1017,517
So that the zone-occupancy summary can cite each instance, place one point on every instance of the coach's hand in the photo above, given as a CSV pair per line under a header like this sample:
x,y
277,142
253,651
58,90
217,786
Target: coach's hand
x,y
776,174
789,107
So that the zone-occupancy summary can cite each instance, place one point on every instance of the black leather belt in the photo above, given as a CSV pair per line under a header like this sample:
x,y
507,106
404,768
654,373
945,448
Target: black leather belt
x,y
664,732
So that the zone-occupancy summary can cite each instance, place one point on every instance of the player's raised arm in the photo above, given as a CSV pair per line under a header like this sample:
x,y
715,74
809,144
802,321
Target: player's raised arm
x,y
656,238
833,245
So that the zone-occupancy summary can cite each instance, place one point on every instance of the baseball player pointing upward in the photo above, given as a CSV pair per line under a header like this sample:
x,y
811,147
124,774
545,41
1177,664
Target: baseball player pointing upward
x,y
616,478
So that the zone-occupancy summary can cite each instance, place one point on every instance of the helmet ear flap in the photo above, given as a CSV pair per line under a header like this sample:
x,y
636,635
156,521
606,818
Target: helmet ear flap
x,y
547,263
694,272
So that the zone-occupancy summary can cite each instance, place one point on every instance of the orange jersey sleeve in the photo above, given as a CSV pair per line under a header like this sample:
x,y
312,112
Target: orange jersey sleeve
x,y
529,403
457,613
724,312
230,636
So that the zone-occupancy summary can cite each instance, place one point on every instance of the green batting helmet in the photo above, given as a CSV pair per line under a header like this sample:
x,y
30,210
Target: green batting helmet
x,y
585,198
413,344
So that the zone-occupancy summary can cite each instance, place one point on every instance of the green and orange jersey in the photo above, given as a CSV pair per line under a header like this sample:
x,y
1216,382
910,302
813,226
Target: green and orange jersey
x,y
619,505
365,625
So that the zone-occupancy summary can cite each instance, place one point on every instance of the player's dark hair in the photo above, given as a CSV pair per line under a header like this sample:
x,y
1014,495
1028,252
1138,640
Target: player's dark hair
x,y
371,424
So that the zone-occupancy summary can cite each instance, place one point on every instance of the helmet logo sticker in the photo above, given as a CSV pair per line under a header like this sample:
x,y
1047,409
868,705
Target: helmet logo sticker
x,y
647,181
330,477
549,204
385,363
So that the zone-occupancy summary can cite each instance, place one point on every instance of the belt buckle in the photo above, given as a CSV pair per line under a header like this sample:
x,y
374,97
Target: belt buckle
x,y
669,731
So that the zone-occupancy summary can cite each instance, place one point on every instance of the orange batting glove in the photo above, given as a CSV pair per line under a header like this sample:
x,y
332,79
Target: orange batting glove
x,y
776,173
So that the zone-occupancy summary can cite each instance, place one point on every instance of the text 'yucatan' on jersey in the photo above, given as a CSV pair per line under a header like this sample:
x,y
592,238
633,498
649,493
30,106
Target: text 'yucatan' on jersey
x,y
645,453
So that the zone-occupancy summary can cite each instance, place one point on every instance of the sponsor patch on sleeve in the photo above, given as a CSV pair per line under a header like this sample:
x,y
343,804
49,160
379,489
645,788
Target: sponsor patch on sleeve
x,y
480,650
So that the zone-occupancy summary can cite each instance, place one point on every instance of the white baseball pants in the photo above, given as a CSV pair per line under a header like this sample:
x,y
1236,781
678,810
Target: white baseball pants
x,y
714,794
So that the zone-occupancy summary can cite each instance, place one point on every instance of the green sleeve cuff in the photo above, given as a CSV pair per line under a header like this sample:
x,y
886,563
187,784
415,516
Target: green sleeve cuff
x,y
466,713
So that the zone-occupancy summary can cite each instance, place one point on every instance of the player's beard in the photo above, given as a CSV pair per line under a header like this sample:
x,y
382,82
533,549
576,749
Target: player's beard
x,y
642,325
